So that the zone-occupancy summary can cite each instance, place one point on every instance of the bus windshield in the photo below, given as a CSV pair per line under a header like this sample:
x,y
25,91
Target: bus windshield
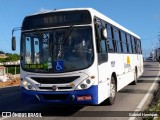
x,y
41,50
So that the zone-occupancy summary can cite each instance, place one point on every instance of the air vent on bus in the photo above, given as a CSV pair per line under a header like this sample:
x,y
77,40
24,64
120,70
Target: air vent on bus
x,y
50,88
55,80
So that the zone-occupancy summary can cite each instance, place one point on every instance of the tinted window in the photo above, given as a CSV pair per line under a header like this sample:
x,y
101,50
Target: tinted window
x,y
133,44
117,40
136,45
103,46
129,43
110,40
123,38
140,46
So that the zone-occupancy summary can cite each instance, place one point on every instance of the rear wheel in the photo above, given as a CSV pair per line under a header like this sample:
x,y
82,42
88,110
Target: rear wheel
x,y
113,90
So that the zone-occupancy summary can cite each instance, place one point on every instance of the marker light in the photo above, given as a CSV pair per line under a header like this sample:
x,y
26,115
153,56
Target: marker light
x,y
88,81
24,83
85,84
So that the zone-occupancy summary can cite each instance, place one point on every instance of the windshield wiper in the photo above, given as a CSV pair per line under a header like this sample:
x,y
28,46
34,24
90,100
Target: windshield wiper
x,y
66,35
40,34
64,38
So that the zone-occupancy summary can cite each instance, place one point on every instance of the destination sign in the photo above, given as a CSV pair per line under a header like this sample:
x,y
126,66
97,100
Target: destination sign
x,y
54,19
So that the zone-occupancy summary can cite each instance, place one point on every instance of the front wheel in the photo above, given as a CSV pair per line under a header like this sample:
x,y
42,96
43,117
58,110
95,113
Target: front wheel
x,y
113,91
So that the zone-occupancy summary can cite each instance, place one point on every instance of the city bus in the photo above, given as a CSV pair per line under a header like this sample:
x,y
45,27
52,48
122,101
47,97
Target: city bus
x,y
76,56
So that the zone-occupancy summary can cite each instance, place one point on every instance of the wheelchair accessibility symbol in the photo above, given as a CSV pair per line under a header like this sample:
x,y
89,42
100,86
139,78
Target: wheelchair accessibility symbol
x,y
58,66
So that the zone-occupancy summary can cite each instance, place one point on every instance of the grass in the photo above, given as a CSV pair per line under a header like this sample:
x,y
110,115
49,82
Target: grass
x,y
154,106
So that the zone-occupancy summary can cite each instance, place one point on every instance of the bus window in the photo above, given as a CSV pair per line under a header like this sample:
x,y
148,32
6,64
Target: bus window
x,y
124,44
136,45
103,47
110,40
117,40
28,50
45,47
139,46
129,43
133,44
36,50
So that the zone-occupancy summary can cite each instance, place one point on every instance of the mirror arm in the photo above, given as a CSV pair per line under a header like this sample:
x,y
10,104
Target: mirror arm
x,y
15,29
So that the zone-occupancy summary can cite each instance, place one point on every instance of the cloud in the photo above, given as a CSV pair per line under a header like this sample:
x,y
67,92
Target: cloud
x,y
43,10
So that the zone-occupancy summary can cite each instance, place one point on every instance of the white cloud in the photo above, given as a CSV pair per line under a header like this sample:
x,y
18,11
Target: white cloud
x,y
43,10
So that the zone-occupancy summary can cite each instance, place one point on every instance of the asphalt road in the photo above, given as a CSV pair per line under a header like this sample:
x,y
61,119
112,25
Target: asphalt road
x,y
129,99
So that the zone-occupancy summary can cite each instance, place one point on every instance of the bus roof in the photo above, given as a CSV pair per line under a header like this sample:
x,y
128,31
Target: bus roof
x,y
93,13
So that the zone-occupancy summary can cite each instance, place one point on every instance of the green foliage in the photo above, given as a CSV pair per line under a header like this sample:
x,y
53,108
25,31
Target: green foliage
x,y
12,70
10,58
154,107
1,52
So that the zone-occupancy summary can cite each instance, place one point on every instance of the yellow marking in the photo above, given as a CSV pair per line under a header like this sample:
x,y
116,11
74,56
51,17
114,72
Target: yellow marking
x,y
128,60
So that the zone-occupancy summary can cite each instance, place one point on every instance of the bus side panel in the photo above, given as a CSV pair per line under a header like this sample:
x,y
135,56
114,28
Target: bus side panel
x,y
113,65
104,82
128,67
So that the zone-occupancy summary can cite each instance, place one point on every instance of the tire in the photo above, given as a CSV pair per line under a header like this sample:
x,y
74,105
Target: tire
x,y
135,79
113,91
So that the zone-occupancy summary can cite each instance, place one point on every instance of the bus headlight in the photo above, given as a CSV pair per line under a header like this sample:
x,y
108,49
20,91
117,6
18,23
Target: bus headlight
x,y
27,85
85,84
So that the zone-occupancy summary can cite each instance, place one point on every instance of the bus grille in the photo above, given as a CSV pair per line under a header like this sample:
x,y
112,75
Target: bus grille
x,y
58,80
55,97
59,88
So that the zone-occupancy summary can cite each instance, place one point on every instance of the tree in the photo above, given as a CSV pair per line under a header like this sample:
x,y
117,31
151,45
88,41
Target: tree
x,y
10,58
1,52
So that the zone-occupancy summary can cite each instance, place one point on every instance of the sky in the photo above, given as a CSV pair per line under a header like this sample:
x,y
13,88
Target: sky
x,y
139,16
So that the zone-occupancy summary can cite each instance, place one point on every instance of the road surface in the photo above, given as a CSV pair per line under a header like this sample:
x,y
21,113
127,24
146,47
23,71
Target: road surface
x,y
129,99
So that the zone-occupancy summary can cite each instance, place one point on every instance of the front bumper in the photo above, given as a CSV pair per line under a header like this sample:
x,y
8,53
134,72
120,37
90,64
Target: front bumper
x,y
56,97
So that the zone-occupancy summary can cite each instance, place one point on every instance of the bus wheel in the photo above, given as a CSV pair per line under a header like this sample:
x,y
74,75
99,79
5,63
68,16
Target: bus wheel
x,y
135,79
113,90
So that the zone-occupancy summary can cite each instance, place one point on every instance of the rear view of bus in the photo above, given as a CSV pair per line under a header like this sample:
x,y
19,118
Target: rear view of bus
x,y
65,59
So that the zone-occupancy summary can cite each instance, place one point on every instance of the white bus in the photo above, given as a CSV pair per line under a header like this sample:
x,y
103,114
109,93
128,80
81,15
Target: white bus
x,y
76,56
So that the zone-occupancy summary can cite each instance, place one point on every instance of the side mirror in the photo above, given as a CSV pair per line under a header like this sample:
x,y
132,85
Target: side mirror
x,y
104,33
14,38
13,43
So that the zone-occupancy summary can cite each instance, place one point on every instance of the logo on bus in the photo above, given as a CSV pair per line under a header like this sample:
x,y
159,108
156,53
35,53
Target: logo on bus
x,y
54,88
128,60
128,63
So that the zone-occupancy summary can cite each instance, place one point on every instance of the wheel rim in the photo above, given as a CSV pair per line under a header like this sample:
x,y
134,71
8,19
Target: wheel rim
x,y
113,91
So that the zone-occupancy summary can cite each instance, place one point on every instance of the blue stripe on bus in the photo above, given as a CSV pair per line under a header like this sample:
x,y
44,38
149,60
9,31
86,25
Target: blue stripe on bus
x,y
30,96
